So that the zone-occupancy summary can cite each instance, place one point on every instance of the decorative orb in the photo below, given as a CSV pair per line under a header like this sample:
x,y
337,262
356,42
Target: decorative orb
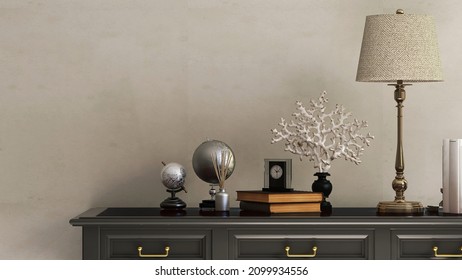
x,y
203,163
173,176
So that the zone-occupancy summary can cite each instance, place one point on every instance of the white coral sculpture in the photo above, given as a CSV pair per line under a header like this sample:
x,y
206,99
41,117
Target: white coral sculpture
x,y
323,137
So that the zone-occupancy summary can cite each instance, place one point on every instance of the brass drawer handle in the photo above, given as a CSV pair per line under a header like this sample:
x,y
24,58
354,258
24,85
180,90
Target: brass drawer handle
x,y
435,249
315,249
141,255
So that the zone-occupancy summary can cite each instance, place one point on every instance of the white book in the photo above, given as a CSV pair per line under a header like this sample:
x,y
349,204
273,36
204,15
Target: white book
x,y
458,192
455,182
446,176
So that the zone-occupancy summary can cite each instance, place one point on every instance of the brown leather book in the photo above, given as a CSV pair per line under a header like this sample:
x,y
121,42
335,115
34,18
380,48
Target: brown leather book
x,y
297,207
279,197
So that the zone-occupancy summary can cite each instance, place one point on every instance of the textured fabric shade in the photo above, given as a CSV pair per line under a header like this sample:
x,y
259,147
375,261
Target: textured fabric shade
x,y
399,47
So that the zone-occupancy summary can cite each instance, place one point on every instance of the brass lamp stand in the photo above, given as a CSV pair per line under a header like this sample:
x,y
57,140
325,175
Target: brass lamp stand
x,y
400,205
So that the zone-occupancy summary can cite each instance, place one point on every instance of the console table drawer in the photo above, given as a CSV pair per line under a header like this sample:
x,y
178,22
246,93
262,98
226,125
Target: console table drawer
x,y
156,244
310,245
417,245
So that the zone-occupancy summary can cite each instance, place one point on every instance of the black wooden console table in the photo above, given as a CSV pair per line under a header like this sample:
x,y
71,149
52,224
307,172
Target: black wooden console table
x,y
348,233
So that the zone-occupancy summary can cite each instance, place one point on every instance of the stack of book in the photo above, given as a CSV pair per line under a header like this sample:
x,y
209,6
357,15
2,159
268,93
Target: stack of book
x,y
280,202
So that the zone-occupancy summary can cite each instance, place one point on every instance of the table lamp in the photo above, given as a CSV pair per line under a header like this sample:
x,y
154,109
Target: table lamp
x,y
399,49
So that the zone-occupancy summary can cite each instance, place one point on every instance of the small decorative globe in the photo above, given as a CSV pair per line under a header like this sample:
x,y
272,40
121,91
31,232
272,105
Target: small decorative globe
x,y
173,176
203,164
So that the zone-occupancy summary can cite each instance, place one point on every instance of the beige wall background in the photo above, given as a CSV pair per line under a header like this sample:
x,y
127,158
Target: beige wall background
x,y
95,94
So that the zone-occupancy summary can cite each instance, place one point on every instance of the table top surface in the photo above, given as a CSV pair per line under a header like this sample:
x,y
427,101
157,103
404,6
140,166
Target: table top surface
x,y
234,212
146,214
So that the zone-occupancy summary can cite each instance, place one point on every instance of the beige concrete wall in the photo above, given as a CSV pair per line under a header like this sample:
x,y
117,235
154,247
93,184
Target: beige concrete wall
x,y
95,94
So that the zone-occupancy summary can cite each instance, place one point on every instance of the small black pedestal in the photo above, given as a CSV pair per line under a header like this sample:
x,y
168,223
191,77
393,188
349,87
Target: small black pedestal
x,y
326,207
173,202
207,205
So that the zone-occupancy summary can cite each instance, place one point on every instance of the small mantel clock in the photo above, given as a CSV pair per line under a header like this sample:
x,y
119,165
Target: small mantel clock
x,y
278,175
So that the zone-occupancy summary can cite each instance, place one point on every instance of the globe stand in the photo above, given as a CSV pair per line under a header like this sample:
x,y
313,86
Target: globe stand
x,y
209,204
173,202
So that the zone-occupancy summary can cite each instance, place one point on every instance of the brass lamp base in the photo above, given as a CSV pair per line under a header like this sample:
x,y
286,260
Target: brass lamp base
x,y
400,208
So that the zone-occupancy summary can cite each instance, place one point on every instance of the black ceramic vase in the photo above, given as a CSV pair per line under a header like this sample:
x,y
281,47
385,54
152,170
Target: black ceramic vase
x,y
324,186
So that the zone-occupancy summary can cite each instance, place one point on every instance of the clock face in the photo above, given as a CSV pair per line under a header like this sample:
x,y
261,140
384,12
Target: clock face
x,y
278,175
276,171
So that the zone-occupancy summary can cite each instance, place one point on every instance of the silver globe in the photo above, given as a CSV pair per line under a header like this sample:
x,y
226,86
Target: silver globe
x,y
173,176
203,164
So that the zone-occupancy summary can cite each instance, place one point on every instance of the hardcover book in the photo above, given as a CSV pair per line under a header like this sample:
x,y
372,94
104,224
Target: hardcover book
x,y
298,207
279,197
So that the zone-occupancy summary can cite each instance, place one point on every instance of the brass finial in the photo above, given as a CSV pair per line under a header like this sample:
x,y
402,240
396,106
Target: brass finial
x,y
400,12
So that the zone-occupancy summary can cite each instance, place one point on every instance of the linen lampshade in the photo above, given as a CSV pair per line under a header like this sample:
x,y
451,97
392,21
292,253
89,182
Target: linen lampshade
x,y
399,47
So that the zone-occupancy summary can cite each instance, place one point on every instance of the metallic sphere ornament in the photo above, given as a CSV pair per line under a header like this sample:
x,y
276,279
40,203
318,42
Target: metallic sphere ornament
x,y
203,163
173,176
